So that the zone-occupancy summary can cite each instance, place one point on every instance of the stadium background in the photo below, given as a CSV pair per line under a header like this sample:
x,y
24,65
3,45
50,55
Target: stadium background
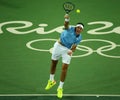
x,y
26,71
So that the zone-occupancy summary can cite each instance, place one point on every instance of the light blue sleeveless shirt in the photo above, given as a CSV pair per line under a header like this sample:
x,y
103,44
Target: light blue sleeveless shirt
x,y
68,37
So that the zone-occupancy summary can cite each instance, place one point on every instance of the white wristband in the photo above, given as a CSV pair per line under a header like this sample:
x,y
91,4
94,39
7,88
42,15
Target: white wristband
x,y
67,20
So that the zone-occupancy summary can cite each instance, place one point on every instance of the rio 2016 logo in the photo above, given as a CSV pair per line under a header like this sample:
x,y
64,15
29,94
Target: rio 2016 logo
x,y
88,51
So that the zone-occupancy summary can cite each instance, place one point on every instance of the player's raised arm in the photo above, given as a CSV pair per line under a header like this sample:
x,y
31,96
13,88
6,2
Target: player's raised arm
x,y
66,23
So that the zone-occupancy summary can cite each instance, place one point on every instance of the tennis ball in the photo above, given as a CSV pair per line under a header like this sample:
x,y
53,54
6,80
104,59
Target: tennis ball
x,y
78,11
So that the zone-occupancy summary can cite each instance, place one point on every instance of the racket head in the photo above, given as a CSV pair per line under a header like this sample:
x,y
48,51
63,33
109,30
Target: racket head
x,y
68,7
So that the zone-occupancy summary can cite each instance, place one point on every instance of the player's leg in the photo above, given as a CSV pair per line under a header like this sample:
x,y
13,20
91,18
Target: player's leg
x,y
55,56
51,81
62,79
63,72
53,69
53,66
66,61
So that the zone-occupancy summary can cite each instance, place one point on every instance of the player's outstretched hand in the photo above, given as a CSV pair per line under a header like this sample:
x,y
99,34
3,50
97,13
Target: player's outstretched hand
x,y
66,16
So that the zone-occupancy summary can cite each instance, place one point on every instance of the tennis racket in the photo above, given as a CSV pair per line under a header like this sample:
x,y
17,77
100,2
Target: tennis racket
x,y
68,7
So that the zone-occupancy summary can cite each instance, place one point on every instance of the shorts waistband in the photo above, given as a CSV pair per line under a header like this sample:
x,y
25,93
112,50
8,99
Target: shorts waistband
x,y
61,43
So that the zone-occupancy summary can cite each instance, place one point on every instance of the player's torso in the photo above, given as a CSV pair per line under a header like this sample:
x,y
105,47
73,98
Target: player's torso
x,y
68,37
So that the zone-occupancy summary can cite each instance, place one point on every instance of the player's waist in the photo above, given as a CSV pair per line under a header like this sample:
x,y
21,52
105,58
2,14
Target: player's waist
x,y
67,46
60,42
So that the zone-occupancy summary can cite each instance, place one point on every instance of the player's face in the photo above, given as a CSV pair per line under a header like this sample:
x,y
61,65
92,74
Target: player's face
x,y
78,30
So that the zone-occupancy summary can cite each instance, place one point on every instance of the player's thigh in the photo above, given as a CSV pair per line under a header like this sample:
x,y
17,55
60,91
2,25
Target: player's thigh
x,y
66,58
56,52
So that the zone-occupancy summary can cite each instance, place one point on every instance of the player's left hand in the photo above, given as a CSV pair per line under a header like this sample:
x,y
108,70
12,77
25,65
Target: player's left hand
x,y
70,52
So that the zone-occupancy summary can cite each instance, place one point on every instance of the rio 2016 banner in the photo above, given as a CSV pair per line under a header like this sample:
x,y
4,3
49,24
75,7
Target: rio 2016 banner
x,y
41,30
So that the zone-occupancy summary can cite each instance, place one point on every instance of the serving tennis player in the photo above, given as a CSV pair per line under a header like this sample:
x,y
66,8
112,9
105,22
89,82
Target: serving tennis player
x,y
64,47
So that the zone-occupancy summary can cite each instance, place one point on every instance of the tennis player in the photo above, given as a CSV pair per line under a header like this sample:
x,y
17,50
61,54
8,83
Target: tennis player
x,y
64,48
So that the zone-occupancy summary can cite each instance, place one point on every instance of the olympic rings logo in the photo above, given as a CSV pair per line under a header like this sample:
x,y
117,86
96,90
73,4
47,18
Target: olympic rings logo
x,y
88,50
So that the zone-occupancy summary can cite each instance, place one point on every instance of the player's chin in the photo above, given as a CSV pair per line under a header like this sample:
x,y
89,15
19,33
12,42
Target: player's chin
x,y
77,32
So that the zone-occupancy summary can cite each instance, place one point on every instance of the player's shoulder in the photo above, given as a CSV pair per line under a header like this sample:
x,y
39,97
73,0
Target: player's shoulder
x,y
71,27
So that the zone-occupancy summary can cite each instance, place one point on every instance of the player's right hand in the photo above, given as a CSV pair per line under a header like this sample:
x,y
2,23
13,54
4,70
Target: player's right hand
x,y
66,16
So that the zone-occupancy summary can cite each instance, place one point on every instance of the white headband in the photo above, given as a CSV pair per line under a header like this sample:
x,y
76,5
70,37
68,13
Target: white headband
x,y
80,25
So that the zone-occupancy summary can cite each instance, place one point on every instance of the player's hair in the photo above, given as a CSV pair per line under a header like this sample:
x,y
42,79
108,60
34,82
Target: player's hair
x,y
80,23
